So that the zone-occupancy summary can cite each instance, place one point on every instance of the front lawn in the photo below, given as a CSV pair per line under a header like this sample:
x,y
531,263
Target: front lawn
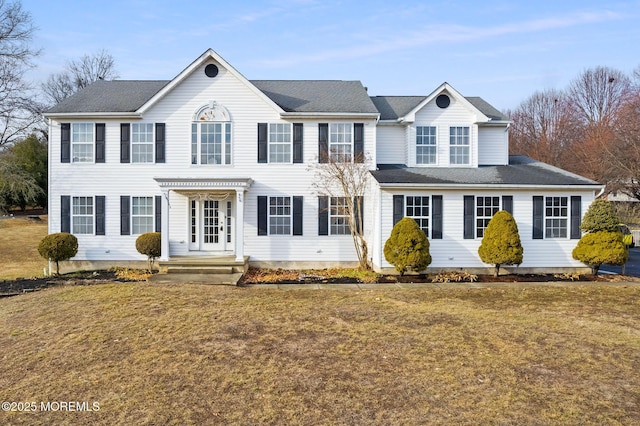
x,y
196,354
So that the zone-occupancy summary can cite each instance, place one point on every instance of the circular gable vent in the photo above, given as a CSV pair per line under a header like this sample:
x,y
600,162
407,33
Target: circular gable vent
x,y
443,101
211,70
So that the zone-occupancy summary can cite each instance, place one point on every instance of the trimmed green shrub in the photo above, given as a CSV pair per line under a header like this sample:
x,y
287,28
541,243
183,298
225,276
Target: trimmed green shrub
x,y
58,247
149,244
600,216
407,247
596,248
501,242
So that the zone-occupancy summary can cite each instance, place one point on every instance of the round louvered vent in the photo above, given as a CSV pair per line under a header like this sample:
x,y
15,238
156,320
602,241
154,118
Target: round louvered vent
x,y
211,70
443,101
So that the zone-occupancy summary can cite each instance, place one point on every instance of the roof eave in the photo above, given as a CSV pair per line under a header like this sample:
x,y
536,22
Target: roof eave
x,y
330,115
487,186
83,115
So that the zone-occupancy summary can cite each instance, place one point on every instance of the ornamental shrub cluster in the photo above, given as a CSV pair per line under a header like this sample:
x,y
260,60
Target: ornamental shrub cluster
x,y
58,247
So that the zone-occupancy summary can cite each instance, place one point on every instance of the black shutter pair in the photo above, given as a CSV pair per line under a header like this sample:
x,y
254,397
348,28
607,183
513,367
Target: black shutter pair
x,y
65,143
65,214
263,142
323,214
125,214
358,142
436,214
575,219
125,143
263,208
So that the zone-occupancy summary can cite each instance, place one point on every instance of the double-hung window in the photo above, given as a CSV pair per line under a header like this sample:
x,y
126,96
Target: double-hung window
x,y
459,145
142,143
280,142
339,216
417,208
556,214
82,142
425,145
280,215
142,215
82,218
486,207
341,142
211,143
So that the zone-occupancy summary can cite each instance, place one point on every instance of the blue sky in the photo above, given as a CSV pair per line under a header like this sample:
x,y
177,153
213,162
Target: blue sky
x,y
502,51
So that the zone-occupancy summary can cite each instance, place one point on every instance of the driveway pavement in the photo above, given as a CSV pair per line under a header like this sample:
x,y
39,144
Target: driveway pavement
x,y
632,268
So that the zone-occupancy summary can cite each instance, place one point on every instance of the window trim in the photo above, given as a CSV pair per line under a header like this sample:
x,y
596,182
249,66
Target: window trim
x,y
151,142
226,143
273,216
419,218
73,143
345,216
132,215
479,230
565,217
350,143
434,145
270,142
452,146
74,215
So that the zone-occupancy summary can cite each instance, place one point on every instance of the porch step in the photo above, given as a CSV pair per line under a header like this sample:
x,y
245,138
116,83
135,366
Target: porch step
x,y
195,269
202,269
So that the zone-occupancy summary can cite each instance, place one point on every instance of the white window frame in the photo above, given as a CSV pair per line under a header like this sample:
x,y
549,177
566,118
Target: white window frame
x,y
554,217
82,208
417,211
225,143
80,139
427,142
280,215
280,138
143,136
339,216
137,216
341,149
459,145
485,212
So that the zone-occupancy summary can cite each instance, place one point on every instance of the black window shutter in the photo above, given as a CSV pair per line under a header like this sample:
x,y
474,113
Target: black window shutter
x,y
297,142
576,217
323,215
65,213
323,142
100,205
263,148
262,215
65,143
358,203
469,207
160,143
100,141
125,145
158,201
436,217
538,217
507,203
125,215
358,143
398,208
297,215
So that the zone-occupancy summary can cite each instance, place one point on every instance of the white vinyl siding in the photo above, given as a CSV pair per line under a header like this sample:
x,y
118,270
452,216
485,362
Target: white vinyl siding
x,y
82,142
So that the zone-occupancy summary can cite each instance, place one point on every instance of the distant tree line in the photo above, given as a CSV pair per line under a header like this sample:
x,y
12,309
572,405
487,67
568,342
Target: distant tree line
x,y
591,128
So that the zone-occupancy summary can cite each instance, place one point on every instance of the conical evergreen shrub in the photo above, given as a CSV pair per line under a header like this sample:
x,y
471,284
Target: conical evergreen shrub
x,y
407,247
501,242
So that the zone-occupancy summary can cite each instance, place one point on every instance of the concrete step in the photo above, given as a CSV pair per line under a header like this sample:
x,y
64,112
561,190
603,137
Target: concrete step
x,y
200,269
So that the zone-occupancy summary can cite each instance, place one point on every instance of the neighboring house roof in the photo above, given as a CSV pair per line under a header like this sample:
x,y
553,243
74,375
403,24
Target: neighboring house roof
x,y
395,107
318,95
110,96
291,95
521,170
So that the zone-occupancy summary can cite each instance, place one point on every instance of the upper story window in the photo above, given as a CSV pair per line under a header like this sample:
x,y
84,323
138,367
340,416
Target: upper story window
x,y
556,214
82,142
340,142
211,135
425,145
142,143
459,145
280,142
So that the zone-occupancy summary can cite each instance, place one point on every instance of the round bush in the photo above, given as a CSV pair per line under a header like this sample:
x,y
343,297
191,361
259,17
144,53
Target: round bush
x,y
58,247
149,244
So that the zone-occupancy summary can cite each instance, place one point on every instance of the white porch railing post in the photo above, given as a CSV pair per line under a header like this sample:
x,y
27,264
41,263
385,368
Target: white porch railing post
x,y
164,255
239,225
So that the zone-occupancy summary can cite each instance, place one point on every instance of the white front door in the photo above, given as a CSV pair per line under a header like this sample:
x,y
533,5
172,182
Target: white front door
x,y
211,225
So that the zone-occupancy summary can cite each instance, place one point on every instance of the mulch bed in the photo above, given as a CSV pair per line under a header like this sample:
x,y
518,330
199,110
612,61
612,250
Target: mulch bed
x,y
24,285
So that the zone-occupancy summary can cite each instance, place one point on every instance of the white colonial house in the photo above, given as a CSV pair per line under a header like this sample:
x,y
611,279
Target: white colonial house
x,y
223,166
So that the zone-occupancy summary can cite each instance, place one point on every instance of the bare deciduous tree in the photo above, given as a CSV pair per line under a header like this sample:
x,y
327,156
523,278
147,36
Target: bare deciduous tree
x,y
348,181
79,74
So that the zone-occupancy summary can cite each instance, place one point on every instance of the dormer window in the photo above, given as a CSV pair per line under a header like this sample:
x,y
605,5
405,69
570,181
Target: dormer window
x,y
459,145
426,145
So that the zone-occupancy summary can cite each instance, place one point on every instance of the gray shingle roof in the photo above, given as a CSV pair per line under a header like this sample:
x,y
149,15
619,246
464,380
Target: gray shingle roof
x,y
521,170
318,95
110,96
394,107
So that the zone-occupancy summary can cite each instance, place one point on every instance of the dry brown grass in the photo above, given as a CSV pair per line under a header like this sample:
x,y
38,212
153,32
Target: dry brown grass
x,y
189,354
19,239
